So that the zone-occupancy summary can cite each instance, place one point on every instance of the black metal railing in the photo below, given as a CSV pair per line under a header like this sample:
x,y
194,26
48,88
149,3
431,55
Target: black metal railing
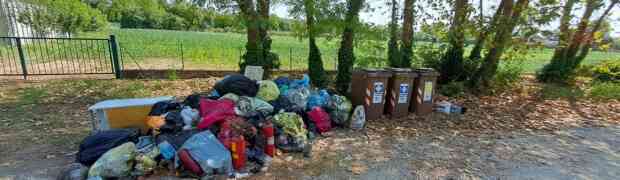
x,y
30,56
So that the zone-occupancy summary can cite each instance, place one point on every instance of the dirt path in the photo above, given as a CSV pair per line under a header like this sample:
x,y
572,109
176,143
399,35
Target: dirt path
x,y
579,153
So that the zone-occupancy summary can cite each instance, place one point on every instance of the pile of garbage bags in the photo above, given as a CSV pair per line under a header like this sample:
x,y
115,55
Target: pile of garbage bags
x,y
233,131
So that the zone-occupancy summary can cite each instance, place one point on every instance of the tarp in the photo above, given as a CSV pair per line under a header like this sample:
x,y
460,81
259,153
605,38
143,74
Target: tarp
x,y
207,150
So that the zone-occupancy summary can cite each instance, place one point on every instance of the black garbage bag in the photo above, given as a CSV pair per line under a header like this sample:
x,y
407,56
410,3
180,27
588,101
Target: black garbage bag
x,y
193,100
94,146
176,139
283,103
163,107
174,123
237,84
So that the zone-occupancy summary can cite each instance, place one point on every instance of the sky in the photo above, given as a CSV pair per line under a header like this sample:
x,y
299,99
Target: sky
x,y
381,14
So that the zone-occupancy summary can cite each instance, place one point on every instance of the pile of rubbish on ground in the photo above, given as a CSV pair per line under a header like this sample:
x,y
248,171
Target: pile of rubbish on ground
x,y
233,131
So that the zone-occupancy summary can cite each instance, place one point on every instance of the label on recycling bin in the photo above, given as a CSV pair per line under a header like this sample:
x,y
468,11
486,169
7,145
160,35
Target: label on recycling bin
x,y
428,91
403,93
378,92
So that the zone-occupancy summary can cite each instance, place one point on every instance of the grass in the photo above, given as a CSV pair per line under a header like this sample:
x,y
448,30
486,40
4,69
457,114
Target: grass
x,y
605,90
558,91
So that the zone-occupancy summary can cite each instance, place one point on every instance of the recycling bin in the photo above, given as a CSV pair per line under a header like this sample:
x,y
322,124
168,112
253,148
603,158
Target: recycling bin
x,y
368,88
400,86
424,91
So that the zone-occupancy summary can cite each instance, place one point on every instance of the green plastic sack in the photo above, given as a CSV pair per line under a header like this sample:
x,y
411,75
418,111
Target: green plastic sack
x,y
292,124
340,108
230,96
145,162
249,106
267,90
115,163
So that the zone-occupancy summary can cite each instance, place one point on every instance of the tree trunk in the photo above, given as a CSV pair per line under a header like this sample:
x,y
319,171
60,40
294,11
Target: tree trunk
x,y
315,63
452,68
407,34
271,59
394,57
346,57
483,77
590,38
475,54
253,55
561,67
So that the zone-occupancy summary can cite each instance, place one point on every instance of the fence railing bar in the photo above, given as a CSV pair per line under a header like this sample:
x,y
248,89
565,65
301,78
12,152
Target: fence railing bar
x,y
59,55
17,65
42,59
95,47
5,62
50,57
84,56
70,54
45,38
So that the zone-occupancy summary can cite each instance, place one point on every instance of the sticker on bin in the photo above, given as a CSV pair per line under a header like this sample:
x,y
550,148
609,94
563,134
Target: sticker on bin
x,y
404,94
428,91
378,92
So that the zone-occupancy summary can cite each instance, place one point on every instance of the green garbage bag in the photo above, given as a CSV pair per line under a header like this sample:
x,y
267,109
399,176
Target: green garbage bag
x,y
115,163
230,96
267,90
249,106
340,108
145,162
292,124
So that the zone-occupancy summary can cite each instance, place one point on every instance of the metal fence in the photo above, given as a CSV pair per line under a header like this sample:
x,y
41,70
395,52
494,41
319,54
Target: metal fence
x,y
32,56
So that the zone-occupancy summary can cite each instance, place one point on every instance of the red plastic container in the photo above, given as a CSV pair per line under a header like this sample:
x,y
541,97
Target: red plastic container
x,y
270,147
237,149
189,163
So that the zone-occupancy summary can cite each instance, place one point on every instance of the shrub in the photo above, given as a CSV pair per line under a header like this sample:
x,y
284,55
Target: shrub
x,y
453,89
607,71
605,90
507,76
429,55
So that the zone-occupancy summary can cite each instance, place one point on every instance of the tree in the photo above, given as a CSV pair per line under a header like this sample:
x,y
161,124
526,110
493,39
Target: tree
x,y
394,57
510,14
255,47
485,31
452,67
406,48
69,16
315,63
346,56
574,46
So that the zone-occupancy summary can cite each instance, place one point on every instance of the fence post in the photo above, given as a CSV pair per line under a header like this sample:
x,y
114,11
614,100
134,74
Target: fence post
x,y
115,60
290,59
22,57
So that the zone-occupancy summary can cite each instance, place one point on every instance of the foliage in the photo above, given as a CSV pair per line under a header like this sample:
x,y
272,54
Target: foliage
x,y
69,16
607,71
429,54
605,90
507,76
453,89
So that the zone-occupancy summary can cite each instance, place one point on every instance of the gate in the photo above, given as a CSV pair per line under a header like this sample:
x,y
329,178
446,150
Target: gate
x,y
32,56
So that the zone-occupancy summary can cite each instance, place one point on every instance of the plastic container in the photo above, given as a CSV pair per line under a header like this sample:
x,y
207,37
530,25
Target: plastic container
x,y
424,91
400,87
123,113
368,88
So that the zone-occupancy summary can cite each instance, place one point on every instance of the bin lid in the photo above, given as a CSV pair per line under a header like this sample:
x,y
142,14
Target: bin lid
x,y
119,103
403,72
427,72
372,72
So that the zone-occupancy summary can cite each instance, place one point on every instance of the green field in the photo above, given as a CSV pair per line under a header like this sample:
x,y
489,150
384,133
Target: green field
x,y
160,49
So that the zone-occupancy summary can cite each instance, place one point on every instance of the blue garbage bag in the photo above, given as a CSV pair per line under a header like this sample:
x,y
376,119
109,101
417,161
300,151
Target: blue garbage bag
x,y
320,99
210,154
301,83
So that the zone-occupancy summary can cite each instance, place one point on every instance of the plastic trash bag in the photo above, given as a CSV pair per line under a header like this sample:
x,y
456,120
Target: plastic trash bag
x,y
292,124
74,171
339,109
207,150
321,119
215,111
249,106
268,90
282,80
230,96
358,119
94,146
117,162
284,104
237,84
299,96
174,123
189,116
145,162
301,83
320,99
167,150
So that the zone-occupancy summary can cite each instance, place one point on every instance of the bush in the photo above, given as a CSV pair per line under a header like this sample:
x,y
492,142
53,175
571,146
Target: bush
x,y
429,55
508,74
453,89
605,90
607,71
